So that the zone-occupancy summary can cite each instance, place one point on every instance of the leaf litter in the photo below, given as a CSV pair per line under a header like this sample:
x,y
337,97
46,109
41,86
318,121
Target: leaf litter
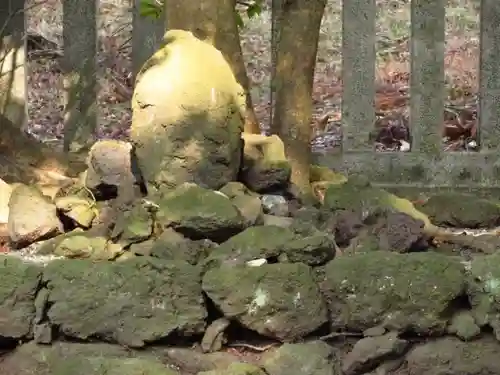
x,y
391,131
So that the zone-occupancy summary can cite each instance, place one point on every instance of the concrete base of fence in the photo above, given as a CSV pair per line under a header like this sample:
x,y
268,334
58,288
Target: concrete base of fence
x,y
458,170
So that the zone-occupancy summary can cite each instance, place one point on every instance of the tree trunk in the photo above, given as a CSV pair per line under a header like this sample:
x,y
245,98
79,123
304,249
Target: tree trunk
x,y
22,158
215,22
295,62
198,16
228,42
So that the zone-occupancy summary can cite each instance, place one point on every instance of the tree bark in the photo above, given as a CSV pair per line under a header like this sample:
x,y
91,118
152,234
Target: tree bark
x,y
198,16
295,61
215,22
228,42
23,159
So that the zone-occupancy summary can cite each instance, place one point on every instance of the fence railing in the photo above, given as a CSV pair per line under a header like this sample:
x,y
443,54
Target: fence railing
x,y
426,164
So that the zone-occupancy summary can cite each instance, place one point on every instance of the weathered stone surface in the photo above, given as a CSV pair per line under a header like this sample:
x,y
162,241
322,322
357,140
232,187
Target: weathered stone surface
x,y
133,225
112,166
275,205
450,356
311,246
200,213
483,287
346,224
278,221
368,201
399,292
81,245
187,124
313,358
248,203
132,302
253,243
464,325
265,167
80,359
77,209
20,282
237,368
215,335
276,300
171,245
193,361
32,217
461,210
390,231
274,242
369,352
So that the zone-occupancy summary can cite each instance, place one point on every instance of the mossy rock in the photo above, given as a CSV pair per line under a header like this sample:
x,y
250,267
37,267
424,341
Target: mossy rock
x,y
410,292
129,302
265,166
368,200
200,213
483,290
277,300
461,210
20,283
237,368
81,359
187,116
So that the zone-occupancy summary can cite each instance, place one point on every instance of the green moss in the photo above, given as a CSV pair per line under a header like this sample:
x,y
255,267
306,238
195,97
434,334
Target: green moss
x,y
409,291
368,200
277,300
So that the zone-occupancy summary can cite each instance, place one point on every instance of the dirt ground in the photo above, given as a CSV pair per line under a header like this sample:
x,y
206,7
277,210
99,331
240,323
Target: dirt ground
x,y
393,28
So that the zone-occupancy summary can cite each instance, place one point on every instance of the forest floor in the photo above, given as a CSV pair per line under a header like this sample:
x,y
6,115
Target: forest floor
x,y
393,28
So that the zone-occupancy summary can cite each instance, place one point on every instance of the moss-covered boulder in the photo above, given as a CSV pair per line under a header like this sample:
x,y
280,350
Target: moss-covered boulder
x,y
463,325
132,302
367,200
389,231
313,358
450,356
409,292
171,245
262,241
133,225
277,300
81,245
265,166
200,213
32,216
19,285
193,360
247,202
311,246
81,359
112,167
461,210
237,368
78,210
187,115
273,242
483,289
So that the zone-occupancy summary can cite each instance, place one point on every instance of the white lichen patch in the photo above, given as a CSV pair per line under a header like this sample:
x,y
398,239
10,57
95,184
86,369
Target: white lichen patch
x,y
492,285
158,304
256,262
261,297
297,299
